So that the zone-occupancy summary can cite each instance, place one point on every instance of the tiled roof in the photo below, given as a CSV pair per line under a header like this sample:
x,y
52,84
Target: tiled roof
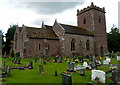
x,y
76,30
49,27
40,33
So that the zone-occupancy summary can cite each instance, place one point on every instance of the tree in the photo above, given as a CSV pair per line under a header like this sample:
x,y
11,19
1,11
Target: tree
x,y
113,38
9,38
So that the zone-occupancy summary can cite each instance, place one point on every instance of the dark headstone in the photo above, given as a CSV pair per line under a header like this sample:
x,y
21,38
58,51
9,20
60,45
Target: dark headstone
x,y
93,65
71,65
41,70
3,66
30,66
35,59
56,73
55,59
81,60
82,72
66,79
91,58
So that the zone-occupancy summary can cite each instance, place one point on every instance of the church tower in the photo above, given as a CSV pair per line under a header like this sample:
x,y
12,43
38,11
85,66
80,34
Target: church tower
x,y
93,19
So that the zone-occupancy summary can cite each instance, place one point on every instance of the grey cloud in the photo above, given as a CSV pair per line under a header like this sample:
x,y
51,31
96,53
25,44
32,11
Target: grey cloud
x,y
47,7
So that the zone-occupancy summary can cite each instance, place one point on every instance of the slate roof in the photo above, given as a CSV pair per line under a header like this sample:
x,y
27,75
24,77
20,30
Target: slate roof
x,y
69,29
42,33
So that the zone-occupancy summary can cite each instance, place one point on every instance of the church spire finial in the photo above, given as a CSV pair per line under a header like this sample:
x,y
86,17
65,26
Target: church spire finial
x,y
92,4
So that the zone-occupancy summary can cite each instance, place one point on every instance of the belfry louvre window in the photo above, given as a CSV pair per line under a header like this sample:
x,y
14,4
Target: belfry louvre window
x,y
84,20
73,45
39,46
99,19
88,45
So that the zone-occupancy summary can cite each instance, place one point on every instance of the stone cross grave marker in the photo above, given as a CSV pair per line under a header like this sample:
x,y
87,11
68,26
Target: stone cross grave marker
x,y
99,74
41,69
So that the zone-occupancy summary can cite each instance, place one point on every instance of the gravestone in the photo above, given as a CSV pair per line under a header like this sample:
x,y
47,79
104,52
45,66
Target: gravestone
x,y
81,60
98,74
105,62
85,64
71,65
91,58
56,73
3,66
35,60
18,61
44,61
108,59
82,72
74,57
93,65
98,62
116,74
30,66
118,58
41,70
66,79
8,70
40,60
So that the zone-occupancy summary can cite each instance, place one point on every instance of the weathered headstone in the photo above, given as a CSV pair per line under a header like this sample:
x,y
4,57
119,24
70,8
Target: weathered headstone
x,y
91,58
66,79
82,72
93,65
116,74
101,75
105,62
71,65
85,64
3,66
30,66
118,58
56,73
41,69
8,70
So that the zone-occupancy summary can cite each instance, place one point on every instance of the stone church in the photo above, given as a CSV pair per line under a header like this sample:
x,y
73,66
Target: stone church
x,y
87,38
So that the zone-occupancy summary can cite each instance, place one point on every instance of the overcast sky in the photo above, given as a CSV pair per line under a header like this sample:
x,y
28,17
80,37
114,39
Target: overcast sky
x,y
33,13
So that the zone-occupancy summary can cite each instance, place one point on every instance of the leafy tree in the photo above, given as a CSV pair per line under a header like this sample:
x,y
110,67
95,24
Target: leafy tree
x,y
113,38
9,38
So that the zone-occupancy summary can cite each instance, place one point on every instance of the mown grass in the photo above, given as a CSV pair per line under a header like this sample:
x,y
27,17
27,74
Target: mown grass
x,y
33,75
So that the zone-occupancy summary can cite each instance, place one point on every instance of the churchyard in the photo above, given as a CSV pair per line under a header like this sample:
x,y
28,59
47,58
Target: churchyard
x,y
95,70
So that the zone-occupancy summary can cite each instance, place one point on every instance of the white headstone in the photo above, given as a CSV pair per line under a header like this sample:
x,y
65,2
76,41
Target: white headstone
x,y
108,59
118,58
100,74
85,64
106,62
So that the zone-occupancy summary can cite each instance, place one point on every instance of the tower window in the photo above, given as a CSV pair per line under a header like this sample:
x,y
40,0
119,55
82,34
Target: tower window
x,y
84,20
39,46
88,45
73,45
99,19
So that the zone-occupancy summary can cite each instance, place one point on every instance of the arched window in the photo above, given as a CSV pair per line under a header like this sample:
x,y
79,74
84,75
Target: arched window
x,y
88,45
84,20
73,45
99,19
101,50
39,46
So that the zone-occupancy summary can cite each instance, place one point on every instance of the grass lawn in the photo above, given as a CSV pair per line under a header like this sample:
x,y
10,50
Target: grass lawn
x,y
33,75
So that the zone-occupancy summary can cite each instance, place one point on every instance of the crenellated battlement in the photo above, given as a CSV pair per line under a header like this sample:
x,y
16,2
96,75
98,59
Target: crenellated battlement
x,y
92,6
